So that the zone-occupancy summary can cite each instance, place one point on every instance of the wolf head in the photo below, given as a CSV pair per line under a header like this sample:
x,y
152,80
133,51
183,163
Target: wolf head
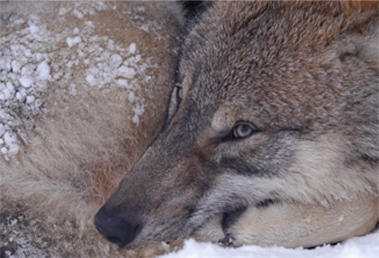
x,y
274,102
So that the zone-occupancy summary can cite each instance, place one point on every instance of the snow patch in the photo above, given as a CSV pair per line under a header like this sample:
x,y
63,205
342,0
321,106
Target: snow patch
x,y
132,97
26,82
77,14
91,79
73,41
43,71
132,48
138,110
357,247
10,141
33,28
30,99
63,11
126,72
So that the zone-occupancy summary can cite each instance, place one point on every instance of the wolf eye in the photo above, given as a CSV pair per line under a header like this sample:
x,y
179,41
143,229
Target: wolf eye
x,y
242,131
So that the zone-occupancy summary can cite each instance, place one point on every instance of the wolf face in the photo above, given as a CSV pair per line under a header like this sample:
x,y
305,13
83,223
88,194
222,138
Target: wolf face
x,y
275,104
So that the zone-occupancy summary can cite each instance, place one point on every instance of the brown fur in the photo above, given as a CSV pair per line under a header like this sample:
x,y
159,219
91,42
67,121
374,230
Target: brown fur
x,y
79,148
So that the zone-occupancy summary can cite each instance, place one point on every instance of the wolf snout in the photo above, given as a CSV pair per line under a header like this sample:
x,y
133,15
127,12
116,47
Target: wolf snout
x,y
116,229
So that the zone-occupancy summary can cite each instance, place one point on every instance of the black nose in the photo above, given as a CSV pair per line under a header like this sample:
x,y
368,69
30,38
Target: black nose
x,y
116,229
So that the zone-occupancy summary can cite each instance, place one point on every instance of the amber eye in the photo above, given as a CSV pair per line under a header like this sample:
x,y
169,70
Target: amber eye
x,y
242,131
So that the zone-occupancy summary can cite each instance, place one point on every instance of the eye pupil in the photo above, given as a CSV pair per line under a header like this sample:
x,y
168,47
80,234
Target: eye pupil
x,y
241,131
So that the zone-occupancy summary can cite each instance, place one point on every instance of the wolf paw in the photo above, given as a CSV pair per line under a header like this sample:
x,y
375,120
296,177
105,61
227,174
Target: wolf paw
x,y
228,240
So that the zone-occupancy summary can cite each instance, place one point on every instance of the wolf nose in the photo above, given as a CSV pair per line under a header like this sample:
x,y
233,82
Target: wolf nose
x,y
115,228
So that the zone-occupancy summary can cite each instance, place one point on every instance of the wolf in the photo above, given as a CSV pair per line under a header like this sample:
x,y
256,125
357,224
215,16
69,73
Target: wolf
x,y
271,135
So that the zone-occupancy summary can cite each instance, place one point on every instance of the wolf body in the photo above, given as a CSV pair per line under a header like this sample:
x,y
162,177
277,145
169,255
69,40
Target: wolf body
x,y
81,84
271,136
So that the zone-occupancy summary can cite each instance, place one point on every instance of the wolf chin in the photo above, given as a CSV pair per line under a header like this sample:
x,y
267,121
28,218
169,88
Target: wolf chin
x,y
271,136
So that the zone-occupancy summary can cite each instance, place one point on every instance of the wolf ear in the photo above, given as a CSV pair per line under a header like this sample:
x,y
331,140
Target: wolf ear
x,y
185,11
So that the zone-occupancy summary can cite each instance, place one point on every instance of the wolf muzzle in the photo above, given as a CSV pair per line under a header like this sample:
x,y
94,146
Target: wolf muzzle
x,y
116,229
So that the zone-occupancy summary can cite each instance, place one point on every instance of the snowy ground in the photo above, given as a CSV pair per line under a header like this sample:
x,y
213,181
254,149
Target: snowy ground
x,y
357,247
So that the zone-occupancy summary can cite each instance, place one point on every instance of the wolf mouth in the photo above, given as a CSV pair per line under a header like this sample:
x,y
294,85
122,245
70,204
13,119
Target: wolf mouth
x,y
220,224
230,217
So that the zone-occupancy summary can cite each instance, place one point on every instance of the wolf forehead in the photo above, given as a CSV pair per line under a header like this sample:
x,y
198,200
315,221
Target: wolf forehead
x,y
281,65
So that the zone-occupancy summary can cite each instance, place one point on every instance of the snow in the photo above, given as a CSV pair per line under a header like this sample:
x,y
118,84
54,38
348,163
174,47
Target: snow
x,y
11,142
15,66
76,31
126,72
132,48
6,91
131,97
357,247
30,99
26,81
33,28
73,41
78,14
43,71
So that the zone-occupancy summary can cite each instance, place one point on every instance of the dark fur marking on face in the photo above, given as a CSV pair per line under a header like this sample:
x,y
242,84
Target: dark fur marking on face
x,y
369,159
194,8
190,210
266,203
239,166
231,217
293,129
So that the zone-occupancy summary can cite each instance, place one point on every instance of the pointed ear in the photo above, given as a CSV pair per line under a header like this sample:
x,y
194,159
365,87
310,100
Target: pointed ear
x,y
185,11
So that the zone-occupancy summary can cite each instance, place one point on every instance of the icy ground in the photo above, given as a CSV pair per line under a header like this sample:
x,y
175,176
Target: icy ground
x,y
357,247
